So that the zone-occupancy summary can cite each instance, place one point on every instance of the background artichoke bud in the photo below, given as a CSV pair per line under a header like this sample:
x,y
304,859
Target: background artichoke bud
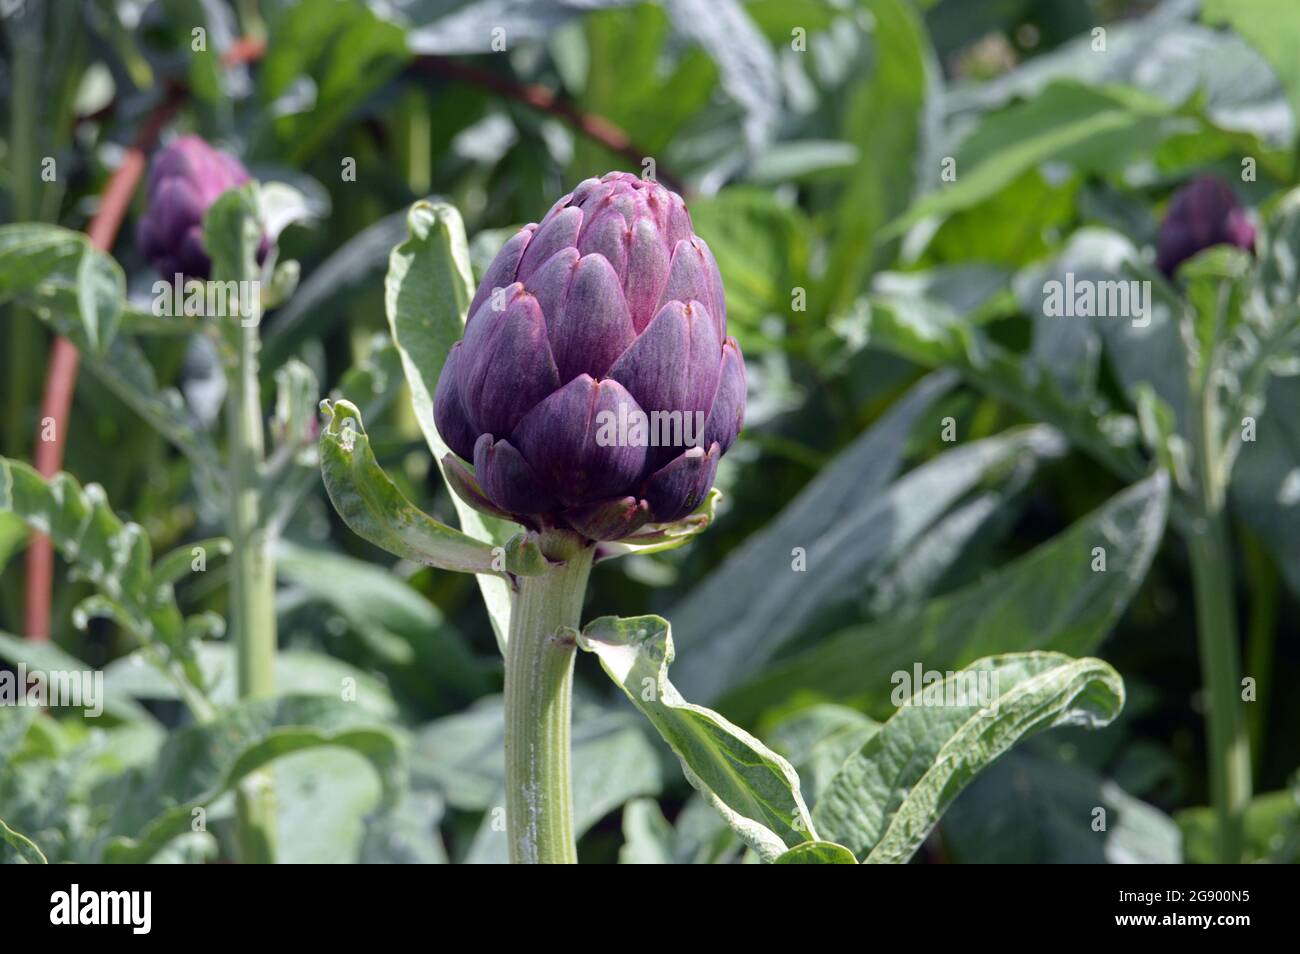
x,y
184,180
1203,213
596,387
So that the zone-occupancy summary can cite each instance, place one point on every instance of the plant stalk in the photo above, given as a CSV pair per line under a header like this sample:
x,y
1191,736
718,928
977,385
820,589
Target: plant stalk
x,y
252,585
539,687
1216,625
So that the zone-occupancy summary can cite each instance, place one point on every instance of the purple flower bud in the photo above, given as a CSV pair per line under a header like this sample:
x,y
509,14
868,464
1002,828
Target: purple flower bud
x,y
1202,213
596,387
184,180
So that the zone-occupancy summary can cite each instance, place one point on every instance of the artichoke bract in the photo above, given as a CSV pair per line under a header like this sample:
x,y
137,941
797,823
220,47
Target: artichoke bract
x,y
595,388
1203,213
184,180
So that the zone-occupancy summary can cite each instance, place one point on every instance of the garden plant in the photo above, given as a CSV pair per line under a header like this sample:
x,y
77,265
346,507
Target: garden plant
x,y
682,432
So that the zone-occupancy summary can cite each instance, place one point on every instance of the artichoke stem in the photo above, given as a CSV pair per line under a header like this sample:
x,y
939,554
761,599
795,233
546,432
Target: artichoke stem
x,y
252,577
544,619
1216,623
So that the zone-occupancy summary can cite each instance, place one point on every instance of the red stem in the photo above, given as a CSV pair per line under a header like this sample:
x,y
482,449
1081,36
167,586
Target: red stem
x,y
545,100
61,371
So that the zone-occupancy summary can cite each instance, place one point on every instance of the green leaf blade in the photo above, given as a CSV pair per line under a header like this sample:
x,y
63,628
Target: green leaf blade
x,y
886,798
755,789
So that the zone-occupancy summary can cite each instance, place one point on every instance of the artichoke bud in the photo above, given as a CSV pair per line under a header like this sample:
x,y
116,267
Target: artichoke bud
x,y
185,179
1203,213
595,388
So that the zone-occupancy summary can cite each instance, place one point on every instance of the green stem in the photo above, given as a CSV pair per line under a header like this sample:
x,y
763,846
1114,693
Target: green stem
x,y
1216,624
252,584
539,686
1261,636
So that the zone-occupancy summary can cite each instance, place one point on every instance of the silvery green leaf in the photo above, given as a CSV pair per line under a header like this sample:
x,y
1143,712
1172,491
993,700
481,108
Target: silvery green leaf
x,y
201,762
407,833
647,835
427,294
802,158
755,789
746,64
1271,30
817,740
18,847
1165,53
51,268
297,398
323,799
885,800
280,205
370,503
817,853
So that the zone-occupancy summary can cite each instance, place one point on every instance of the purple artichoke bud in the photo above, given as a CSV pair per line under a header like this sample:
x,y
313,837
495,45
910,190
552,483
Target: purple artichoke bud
x,y
595,388
185,179
1203,213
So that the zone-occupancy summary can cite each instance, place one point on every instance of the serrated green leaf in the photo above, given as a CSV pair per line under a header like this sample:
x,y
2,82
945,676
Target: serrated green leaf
x,y
754,788
887,797
115,556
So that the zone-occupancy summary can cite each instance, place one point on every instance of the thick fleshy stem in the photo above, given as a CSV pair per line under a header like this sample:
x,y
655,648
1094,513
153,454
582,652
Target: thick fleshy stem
x,y
252,612
544,617
1216,624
